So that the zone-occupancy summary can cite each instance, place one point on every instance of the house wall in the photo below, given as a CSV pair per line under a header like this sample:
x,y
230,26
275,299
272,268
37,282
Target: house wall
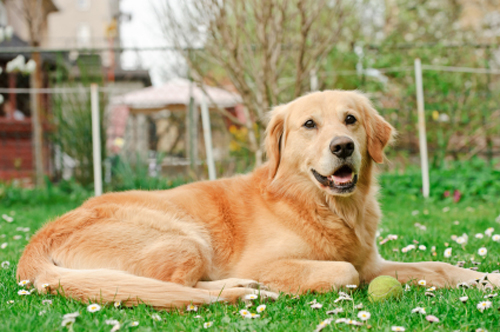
x,y
81,23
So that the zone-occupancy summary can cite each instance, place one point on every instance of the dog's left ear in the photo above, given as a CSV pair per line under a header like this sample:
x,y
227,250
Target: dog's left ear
x,y
379,134
274,137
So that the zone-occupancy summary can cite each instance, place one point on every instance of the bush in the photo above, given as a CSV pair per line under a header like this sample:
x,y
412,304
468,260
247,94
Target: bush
x,y
467,179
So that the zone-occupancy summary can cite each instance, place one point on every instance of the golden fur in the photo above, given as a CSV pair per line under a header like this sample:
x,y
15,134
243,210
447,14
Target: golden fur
x,y
209,241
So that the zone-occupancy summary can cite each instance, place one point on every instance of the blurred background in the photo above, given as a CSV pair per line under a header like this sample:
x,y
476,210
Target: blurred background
x,y
182,87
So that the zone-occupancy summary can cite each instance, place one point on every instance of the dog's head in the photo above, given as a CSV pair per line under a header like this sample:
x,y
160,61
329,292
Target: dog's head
x,y
329,137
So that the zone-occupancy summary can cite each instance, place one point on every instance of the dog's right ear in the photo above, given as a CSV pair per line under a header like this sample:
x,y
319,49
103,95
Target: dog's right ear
x,y
274,138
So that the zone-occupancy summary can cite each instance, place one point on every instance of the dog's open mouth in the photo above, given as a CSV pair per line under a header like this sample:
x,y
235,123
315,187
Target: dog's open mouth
x,y
343,180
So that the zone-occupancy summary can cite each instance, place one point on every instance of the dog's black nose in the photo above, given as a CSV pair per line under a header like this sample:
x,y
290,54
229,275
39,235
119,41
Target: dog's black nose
x,y
342,146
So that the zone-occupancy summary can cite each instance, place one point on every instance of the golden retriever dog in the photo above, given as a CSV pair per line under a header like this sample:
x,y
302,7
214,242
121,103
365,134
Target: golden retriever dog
x,y
304,221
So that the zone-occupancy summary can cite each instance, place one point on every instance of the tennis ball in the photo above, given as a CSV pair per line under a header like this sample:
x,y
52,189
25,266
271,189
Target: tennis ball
x,y
383,288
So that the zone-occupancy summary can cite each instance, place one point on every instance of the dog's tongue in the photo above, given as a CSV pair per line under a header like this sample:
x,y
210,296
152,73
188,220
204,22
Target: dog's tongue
x,y
343,175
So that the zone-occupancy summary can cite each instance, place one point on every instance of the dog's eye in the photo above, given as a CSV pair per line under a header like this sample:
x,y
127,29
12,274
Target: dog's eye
x,y
350,119
310,124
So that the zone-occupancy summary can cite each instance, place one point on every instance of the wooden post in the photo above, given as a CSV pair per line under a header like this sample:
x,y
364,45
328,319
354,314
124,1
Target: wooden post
x,y
421,129
96,139
192,130
37,119
313,80
207,134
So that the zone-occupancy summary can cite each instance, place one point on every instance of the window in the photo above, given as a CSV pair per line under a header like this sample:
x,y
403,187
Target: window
x,y
83,4
83,36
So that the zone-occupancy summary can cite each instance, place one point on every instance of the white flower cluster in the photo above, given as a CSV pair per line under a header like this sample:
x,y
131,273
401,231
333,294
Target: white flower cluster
x,y
19,65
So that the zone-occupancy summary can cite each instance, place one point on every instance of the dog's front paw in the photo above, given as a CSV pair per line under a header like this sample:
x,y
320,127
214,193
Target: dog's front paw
x,y
266,295
493,279
246,283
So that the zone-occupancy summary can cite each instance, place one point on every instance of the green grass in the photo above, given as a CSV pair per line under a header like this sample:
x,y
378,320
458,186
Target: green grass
x,y
27,313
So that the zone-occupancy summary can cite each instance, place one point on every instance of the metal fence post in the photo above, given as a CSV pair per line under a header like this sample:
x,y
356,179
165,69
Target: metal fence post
x,y
205,119
96,139
422,136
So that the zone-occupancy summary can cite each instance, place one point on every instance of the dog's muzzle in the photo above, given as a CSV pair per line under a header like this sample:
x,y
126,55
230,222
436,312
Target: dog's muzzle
x,y
342,181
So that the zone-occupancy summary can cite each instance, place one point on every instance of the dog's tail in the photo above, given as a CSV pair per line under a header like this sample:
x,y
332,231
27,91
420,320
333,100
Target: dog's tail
x,y
103,285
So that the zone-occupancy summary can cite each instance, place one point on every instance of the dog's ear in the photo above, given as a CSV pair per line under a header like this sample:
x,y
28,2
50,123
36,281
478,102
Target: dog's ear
x,y
274,138
379,134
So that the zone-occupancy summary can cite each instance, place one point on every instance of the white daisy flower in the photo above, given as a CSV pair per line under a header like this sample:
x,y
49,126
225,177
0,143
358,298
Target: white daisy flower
x,y
489,231
422,282
482,251
197,317
44,286
496,237
392,237
447,253
5,264
484,305
407,288
115,328
353,322
351,286
10,301
463,285
7,218
251,297
398,329
24,282
261,308
207,325
422,247
71,315
111,322
17,237
461,240
23,292
364,315
67,322
432,318
431,289
244,312
341,320
43,312
342,298
323,324
415,212
134,323
419,310
481,330
93,307
252,315
4,245
446,209
192,308
48,302
359,306
335,311
117,304
479,236
463,299
156,317
316,306
490,296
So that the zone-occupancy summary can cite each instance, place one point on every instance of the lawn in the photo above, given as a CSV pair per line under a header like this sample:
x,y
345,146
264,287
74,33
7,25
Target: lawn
x,y
441,217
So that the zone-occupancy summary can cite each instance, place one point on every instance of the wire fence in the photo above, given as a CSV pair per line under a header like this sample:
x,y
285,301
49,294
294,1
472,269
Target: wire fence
x,y
462,115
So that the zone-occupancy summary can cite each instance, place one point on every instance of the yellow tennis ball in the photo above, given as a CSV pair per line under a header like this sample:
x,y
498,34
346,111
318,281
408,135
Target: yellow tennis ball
x,y
383,288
